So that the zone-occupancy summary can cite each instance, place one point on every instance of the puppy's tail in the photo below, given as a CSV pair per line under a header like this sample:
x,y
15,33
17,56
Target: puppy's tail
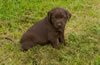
x,y
8,38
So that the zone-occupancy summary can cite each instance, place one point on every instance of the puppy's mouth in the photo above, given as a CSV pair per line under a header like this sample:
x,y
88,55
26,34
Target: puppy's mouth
x,y
60,29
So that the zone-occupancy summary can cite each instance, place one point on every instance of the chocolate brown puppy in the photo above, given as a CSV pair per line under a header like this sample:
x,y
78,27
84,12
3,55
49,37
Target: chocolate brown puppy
x,y
49,30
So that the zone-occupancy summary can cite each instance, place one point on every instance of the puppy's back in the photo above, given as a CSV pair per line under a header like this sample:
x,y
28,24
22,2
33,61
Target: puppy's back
x,y
38,33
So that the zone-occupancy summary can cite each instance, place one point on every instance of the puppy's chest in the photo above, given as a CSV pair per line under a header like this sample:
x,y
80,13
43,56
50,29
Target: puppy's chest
x,y
53,34
58,34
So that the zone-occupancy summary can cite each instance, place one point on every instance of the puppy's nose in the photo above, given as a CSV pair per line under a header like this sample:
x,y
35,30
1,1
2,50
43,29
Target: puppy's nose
x,y
59,24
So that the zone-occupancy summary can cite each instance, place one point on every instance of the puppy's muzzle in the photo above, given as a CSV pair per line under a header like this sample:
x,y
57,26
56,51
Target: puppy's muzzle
x,y
59,24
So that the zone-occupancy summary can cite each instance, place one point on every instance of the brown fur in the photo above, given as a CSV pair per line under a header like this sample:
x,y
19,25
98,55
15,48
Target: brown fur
x,y
48,30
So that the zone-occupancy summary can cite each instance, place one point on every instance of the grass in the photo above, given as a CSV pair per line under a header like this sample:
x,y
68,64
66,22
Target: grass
x,y
82,32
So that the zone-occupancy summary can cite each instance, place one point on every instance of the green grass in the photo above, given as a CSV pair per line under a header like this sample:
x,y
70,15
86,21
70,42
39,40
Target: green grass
x,y
82,32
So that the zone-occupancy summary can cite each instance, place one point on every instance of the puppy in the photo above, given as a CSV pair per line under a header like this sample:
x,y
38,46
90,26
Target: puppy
x,y
49,30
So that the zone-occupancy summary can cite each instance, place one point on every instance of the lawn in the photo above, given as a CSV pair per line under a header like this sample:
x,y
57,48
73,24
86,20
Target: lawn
x,y
82,33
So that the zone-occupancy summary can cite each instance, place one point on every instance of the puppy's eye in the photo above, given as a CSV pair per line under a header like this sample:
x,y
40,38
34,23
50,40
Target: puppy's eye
x,y
53,17
64,16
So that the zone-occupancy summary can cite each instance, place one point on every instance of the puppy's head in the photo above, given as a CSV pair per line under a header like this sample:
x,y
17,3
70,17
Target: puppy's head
x,y
58,18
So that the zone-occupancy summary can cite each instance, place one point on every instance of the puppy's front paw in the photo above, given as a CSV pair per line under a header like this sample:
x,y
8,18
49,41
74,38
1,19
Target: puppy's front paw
x,y
57,47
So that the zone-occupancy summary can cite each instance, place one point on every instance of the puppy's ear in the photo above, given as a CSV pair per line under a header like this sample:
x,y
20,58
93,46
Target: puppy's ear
x,y
49,15
68,14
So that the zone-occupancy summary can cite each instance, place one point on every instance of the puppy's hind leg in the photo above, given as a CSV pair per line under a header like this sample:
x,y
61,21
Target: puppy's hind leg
x,y
27,45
